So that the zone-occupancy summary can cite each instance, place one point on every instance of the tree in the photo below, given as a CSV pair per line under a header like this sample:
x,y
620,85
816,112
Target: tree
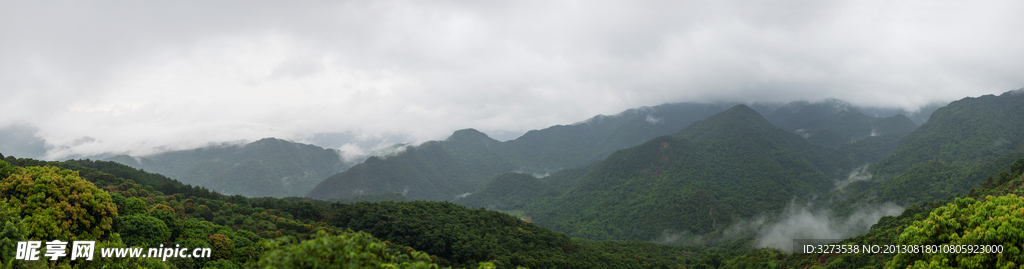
x,y
5,169
140,230
128,206
222,247
994,221
11,232
58,204
346,250
1017,167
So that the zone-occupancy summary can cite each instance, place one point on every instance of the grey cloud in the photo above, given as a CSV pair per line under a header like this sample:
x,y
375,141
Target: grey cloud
x,y
145,75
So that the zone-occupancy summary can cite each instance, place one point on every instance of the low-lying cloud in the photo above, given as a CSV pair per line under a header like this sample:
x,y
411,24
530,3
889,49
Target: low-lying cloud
x,y
856,174
802,222
795,222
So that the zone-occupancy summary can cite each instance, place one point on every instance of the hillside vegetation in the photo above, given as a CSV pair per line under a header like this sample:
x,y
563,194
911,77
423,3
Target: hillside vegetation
x,y
960,176
290,233
730,166
988,215
462,163
509,191
960,145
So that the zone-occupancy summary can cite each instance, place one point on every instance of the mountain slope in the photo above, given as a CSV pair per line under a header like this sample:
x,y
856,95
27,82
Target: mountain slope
x,y
847,138
833,123
732,165
425,172
961,144
967,131
268,167
470,158
565,146
508,191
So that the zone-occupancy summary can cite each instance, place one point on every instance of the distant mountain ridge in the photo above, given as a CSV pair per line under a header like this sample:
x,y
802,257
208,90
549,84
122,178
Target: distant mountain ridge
x,y
966,131
631,194
476,157
473,157
846,136
470,157
267,167
833,123
729,166
962,144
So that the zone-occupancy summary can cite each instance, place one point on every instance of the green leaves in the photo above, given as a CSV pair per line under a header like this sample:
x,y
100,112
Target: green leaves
x,y
57,204
141,230
346,250
993,222
6,169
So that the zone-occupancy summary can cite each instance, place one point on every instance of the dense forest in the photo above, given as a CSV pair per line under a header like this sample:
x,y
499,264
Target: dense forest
x,y
465,161
731,166
686,182
302,233
959,176
991,214
131,208
462,163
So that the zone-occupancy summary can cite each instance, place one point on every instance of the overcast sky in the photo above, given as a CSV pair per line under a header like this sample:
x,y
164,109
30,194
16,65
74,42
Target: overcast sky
x,y
131,76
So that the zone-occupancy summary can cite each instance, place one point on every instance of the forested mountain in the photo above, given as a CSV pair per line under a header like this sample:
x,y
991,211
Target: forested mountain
x,y
442,170
508,191
727,157
469,158
967,131
848,139
960,145
732,165
834,123
424,172
131,208
267,167
948,221
295,233
919,116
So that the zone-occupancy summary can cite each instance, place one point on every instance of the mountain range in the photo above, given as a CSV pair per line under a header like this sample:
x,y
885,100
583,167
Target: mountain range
x,y
267,167
961,144
443,170
727,165
735,165
469,158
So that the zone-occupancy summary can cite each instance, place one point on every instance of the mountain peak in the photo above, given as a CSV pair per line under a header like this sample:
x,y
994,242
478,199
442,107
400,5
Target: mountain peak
x,y
741,108
269,140
739,112
739,123
466,134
